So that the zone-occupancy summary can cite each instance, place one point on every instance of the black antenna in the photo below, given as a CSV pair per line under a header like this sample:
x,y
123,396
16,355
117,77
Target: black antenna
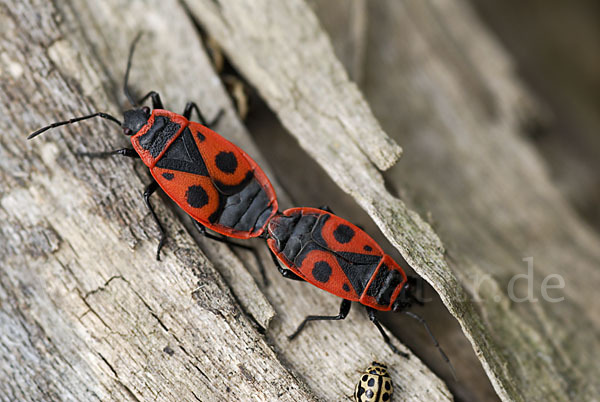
x,y
125,87
74,120
435,342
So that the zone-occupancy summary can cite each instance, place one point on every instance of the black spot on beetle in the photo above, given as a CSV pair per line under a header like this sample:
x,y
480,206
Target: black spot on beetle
x,y
226,162
343,233
388,385
168,176
369,394
200,136
346,287
321,271
360,391
196,196
365,378
371,382
385,396
368,248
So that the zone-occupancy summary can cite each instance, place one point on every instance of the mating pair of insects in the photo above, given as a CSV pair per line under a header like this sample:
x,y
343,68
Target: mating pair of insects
x,y
225,191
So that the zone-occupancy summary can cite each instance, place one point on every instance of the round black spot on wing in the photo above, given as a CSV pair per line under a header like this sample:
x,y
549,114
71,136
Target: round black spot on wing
x,y
168,176
369,393
196,196
365,378
200,136
385,396
388,385
371,382
343,233
346,287
322,271
226,162
368,248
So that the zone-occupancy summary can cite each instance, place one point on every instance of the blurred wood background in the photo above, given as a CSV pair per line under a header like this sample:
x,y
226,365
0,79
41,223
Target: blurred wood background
x,y
490,107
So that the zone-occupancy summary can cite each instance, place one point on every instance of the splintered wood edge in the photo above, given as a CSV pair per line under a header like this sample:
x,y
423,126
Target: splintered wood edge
x,y
293,65
197,315
269,44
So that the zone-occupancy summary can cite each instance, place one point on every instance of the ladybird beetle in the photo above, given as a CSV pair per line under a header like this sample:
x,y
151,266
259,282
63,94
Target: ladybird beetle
x,y
327,251
375,385
212,179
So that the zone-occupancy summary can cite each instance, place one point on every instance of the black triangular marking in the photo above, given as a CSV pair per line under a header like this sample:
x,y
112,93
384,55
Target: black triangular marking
x,y
358,270
358,274
358,267
183,155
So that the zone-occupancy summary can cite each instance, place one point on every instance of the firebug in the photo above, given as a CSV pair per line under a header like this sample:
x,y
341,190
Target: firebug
x,y
210,178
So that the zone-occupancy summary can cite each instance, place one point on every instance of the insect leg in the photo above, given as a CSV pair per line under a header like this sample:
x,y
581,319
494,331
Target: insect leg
x,y
326,208
150,189
202,229
386,338
156,102
128,152
191,106
286,273
344,310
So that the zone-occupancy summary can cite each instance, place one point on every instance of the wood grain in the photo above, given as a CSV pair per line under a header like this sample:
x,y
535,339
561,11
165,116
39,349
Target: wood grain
x,y
447,90
86,312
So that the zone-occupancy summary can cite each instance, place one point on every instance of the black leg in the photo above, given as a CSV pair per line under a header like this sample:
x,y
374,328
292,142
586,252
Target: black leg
x,y
418,295
156,102
285,272
150,189
128,152
344,310
386,338
326,208
191,106
202,229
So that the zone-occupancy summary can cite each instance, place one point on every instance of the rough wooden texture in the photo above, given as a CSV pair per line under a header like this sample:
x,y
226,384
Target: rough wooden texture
x,y
86,313
555,49
445,89
463,112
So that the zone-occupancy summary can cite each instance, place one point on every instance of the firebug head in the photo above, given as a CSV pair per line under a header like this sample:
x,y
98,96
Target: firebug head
x,y
407,295
135,119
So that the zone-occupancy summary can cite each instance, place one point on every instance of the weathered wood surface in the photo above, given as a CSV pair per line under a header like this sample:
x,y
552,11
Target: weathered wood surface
x,y
558,56
447,91
86,313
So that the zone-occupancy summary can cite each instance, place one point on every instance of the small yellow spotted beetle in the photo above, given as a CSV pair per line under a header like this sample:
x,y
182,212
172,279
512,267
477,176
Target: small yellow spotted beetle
x,y
375,385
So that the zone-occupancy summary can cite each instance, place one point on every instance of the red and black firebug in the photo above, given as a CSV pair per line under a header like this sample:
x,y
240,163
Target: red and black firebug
x,y
210,178
327,251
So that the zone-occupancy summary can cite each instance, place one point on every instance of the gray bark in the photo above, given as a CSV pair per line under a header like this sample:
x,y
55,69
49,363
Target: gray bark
x,y
442,86
86,312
